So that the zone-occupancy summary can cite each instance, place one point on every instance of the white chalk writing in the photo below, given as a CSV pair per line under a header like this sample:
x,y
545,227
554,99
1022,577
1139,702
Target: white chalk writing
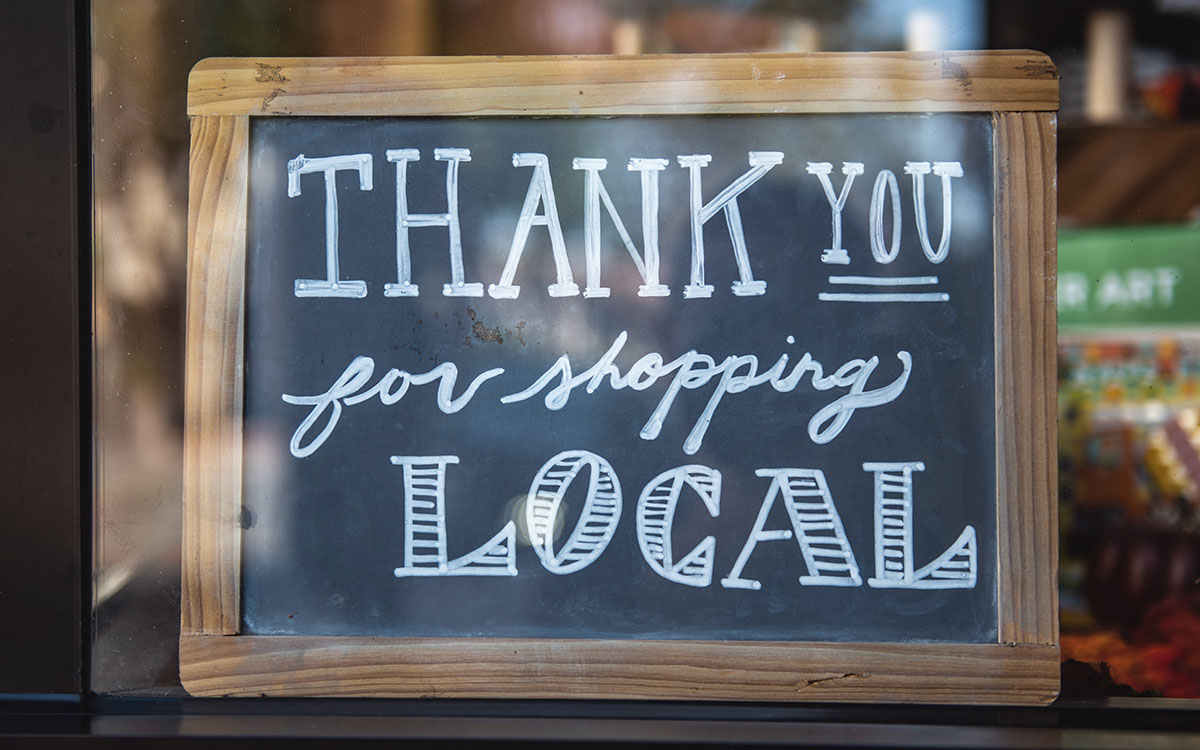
x,y
736,374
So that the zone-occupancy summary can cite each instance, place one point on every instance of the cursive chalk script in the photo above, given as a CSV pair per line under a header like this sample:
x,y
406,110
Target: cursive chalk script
x,y
692,370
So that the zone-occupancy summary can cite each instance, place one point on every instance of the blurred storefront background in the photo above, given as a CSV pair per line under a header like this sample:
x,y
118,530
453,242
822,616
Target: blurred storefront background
x,y
1129,471
1129,280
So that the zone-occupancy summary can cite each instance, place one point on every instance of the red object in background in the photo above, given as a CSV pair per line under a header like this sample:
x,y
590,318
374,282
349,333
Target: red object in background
x,y
525,27
714,29
1132,569
1159,654
1174,95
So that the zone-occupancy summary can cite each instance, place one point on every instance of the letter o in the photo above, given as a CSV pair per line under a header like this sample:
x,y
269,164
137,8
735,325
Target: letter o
x,y
597,522
885,181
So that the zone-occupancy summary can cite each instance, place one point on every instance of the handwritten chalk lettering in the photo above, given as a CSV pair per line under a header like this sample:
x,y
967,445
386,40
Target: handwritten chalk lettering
x,y
656,515
425,527
808,502
458,287
761,162
331,285
649,269
737,373
884,297
956,568
540,195
836,254
889,291
692,370
817,527
347,391
593,193
885,185
541,192
597,522
945,170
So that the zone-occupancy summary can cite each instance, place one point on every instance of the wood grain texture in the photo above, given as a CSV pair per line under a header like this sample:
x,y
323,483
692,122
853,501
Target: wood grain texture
x,y
1026,330
620,669
661,84
217,194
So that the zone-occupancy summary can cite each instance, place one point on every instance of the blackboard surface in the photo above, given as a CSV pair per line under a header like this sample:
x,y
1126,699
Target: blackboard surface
x,y
324,533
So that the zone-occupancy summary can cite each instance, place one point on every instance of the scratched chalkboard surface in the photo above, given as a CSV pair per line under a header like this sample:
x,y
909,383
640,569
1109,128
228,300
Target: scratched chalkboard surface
x,y
760,406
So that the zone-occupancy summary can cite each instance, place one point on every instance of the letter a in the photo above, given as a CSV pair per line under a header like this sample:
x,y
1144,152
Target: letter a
x,y
331,285
817,525
541,191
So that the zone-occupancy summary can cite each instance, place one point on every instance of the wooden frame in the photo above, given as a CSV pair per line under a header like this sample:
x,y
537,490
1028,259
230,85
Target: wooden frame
x,y
1020,88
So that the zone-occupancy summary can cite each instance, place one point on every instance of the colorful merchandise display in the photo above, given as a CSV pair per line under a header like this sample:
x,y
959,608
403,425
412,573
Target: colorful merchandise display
x,y
1129,456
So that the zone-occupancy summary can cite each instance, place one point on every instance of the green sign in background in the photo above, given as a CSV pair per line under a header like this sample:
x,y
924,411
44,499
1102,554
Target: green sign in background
x,y
1129,277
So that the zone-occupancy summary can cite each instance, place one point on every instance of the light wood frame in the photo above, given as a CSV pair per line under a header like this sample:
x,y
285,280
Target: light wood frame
x,y
1019,88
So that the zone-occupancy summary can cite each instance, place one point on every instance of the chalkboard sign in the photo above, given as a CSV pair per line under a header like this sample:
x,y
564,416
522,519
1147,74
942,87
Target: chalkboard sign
x,y
621,397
